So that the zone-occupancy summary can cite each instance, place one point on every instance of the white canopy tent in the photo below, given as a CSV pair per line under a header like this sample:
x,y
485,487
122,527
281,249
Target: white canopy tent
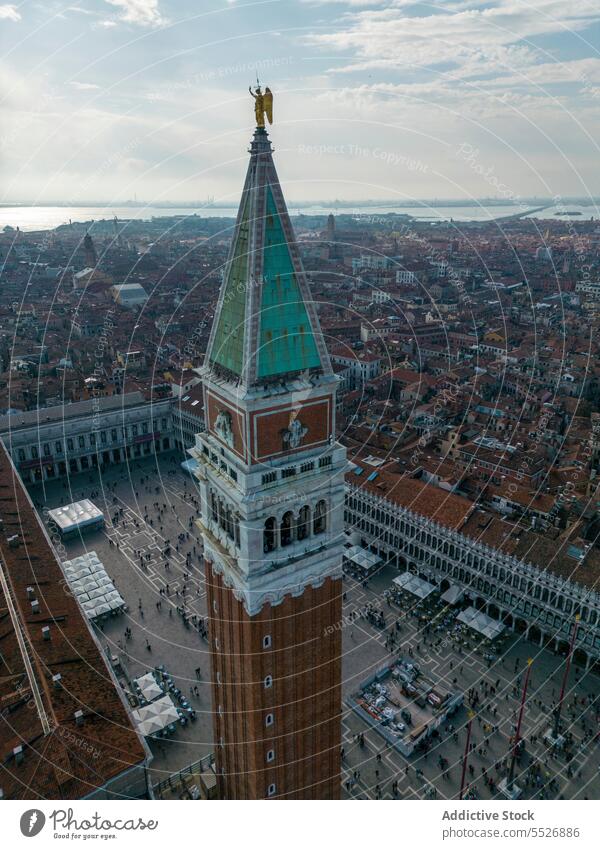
x,y
155,716
362,558
150,726
453,594
413,584
478,621
148,687
77,516
91,586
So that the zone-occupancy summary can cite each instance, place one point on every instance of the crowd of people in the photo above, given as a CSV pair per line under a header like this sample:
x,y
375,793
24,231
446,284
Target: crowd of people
x,y
540,769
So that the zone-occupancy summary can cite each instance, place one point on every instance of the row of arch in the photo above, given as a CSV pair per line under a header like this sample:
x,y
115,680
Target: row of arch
x,y
547,629
408,536
294,528
224,516
552,632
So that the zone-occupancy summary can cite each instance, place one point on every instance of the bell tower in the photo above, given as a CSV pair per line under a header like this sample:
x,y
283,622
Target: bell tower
x,y
271,477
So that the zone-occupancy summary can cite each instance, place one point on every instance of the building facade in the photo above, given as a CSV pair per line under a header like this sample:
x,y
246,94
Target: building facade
x,y
271,478
530,600
362,367
55,442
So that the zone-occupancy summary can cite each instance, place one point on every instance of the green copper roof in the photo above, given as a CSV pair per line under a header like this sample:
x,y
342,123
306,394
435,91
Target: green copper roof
x,y
286,342
228,345
265,325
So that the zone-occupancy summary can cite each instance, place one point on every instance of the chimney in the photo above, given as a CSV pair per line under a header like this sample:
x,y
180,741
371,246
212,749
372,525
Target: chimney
x,y
18,753
35,606
46,632
78,717
30,593
56,679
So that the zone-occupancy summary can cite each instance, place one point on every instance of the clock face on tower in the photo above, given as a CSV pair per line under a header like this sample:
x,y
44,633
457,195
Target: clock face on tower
x,y
223,427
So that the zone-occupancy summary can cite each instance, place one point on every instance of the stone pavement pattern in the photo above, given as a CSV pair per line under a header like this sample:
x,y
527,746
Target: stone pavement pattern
x,y
150,503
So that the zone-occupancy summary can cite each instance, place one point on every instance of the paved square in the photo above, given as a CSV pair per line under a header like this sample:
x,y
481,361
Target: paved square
x,y
151,549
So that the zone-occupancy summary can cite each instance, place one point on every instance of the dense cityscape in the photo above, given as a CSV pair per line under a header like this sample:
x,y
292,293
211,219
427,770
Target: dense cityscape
x,y
462,361
300,422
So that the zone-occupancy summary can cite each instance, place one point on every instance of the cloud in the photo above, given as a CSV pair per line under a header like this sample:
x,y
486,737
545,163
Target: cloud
x,y
84,86
481,59
9,12
444,71
144,13
474,37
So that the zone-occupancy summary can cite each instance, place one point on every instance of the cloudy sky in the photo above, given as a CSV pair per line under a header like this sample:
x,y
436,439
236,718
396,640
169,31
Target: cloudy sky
x,y
115,99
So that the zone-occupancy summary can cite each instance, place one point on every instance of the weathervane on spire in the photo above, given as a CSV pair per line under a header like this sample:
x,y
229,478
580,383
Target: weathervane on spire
x,y
263,104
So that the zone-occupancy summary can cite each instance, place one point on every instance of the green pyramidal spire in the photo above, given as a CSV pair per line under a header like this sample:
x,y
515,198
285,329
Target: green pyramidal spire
x,y
265,326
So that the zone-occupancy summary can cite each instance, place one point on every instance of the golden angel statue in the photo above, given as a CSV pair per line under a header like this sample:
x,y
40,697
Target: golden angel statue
x,y
263,105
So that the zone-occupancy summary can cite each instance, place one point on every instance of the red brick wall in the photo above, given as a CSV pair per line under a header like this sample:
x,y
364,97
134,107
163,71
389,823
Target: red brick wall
x,y
213,406
305,698
267,427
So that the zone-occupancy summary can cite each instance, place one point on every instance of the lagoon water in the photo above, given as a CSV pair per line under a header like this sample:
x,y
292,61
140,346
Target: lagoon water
x,y
31,218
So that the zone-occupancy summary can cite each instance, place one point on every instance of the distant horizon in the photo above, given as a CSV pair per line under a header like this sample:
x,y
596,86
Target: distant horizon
x,y
325,202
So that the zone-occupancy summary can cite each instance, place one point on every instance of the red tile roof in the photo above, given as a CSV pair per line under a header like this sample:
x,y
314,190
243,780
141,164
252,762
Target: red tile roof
x,y
61,759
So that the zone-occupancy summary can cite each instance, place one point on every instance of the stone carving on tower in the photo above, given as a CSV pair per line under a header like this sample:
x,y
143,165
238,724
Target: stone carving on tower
x,y
224,428
294,434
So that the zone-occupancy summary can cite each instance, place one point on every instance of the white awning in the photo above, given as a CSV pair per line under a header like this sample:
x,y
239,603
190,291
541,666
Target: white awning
x,y
190,465
91,586
362,558
75,516
453,594
478,621
413,584
148,687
